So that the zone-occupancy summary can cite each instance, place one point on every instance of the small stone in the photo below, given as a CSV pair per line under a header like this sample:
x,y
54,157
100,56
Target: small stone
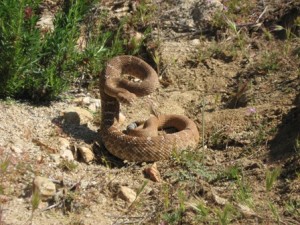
x,y
97,102
86,153
127,194
219,200
78,100
16,149
67,154
55,158
93,107
86,100
77,116
195,42
246,211
63,143
153,173
45,187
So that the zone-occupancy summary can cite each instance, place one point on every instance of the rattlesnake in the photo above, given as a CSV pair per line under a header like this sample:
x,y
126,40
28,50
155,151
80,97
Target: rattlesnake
x,y
139,145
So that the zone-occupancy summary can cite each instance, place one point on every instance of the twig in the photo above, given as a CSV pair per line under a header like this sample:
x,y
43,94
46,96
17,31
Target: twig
x,y
51,206
260,16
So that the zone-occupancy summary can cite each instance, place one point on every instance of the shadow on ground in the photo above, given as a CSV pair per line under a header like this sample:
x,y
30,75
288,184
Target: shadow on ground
x,y
284,143
82,133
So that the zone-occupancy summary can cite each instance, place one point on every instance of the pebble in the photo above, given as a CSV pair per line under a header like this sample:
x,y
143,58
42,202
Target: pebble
x,y
45,187
127,194
86,153
16,149
63,143
195,42
77,116
67,154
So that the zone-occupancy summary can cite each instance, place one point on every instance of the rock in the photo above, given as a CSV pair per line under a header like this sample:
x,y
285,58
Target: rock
x,y
45,187
203,11
55,158
97,102
77,116
86,153
153,173
219,200
195,42
86,100
63,143
127,194
245,210
93,107
16,149
67,154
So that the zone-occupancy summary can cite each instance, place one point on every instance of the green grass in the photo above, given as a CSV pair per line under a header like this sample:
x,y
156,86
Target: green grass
x,y
40,65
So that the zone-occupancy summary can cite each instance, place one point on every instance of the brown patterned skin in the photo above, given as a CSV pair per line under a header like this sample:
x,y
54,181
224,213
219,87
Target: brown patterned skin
x,y
143,144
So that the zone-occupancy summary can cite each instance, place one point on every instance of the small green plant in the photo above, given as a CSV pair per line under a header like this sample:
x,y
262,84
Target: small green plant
x,y
274,211
293,208
224,216
243,192
270,61
202,212
35,201
3,170
271,177
68,165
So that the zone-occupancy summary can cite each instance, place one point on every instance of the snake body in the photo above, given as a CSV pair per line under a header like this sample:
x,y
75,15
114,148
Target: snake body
x,y
141,144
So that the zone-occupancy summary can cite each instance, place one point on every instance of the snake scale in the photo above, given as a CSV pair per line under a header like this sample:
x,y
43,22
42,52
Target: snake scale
x,y
142,144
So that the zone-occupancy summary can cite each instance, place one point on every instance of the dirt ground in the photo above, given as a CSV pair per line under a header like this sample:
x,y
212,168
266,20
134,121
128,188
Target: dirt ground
x,y
247,110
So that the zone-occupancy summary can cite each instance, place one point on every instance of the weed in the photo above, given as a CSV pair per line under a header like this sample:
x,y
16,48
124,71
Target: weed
x,y
274,211
68,165
202,212
271,177
191,166
35,201
176,215
3,170
243,192
269,61
224,217
293,208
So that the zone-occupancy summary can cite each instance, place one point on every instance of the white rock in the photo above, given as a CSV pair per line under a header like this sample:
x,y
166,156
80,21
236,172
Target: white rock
x,y
45,187
63,143
195,42
86,100
127,194
93,107
16,149
86,153
67,154
55,158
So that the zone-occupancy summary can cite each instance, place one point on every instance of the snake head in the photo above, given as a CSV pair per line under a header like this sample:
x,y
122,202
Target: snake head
x,y
126,97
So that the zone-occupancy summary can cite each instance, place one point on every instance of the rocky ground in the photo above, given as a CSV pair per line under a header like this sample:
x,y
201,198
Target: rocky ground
x,y
238,85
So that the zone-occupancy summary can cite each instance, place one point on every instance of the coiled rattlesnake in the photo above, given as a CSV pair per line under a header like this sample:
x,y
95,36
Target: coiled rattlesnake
x,y
143,143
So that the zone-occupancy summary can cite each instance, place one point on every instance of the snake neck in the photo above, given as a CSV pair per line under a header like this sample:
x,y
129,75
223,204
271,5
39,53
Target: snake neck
x,y
110,109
